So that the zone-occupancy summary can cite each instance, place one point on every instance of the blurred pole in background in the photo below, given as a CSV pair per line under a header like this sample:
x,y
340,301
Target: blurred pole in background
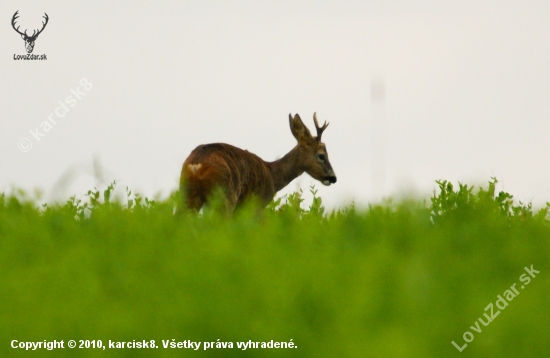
x,y
378,139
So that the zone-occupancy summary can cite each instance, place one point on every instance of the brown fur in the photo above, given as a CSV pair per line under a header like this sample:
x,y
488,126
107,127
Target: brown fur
x,y
243,175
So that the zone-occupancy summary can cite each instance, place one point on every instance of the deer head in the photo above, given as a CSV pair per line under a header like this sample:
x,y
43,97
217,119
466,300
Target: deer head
x,y
29,40
312,153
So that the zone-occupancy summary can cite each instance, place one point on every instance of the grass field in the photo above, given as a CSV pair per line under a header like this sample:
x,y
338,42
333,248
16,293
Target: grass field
x,y
401,279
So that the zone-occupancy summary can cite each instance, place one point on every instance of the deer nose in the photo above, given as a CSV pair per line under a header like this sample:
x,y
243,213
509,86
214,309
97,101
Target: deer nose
x,y
332,179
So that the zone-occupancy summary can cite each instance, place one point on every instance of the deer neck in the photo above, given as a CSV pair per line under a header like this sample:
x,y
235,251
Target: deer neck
x,y
286,169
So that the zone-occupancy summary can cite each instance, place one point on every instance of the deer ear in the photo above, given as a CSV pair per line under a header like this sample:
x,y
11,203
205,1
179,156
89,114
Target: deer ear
x,y
299,130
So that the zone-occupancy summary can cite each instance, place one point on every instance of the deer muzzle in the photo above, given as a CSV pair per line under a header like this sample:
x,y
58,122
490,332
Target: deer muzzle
x,y
29,46
329,180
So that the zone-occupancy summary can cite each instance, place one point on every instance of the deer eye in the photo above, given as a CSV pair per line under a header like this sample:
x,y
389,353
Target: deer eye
x,y
321,157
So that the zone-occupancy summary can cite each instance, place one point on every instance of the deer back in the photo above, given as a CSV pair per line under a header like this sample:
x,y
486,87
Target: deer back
x,y
239,173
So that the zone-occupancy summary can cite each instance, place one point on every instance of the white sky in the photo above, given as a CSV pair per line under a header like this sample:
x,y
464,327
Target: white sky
x,y
461,91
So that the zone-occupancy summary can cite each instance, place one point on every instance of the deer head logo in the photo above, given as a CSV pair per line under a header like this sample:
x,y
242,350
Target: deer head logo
x,y
29,40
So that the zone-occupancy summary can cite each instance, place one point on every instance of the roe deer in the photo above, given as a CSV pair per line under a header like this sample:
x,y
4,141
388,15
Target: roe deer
x,y
242,175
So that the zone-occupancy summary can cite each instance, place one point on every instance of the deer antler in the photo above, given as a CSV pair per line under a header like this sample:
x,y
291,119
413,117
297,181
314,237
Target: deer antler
x,y
15,17
44,25
320,130
34,32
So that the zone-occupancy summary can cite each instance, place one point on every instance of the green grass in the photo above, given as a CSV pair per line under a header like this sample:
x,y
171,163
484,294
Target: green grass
x,y
395,280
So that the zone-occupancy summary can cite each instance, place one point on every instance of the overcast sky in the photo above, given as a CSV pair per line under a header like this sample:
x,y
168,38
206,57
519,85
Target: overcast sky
x,y
414,91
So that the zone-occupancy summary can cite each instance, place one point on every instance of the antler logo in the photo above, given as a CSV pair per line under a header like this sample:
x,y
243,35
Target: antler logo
x,y
29,40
